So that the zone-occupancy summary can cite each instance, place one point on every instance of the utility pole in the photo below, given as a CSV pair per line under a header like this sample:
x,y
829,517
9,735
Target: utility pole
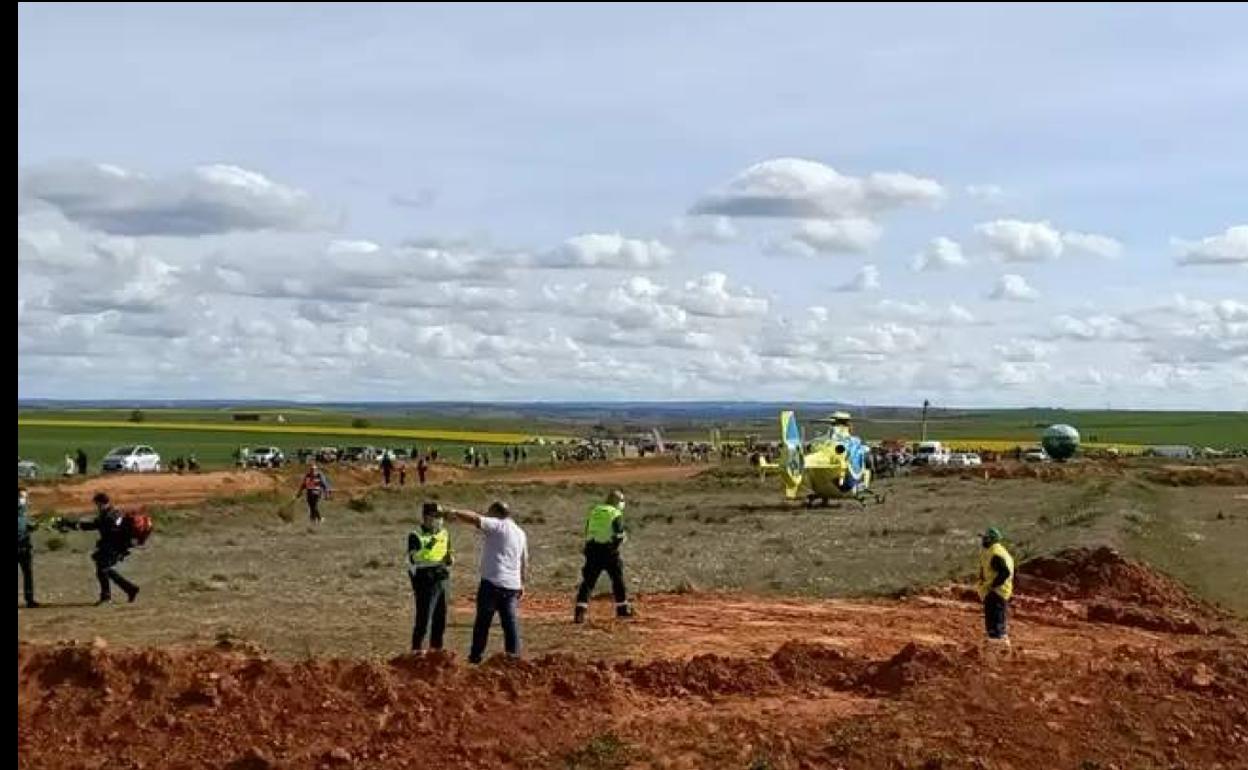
x,y
926,404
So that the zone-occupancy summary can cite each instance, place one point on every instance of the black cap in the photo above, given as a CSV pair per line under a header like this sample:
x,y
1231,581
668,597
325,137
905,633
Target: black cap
x,y
100,498
430,509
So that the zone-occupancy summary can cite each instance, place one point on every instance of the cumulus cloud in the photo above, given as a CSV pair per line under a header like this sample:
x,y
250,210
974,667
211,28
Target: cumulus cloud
x,y
1227,248
1014,288
1098,327
208,200
941,254
796,188
1092,244
853,235
606,250
866,279
708,295
1014,240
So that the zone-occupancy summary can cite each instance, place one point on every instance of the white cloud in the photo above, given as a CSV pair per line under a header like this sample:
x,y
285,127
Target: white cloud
x,y
866,279
1228,248
796,188
1099,327
853,235
207,200
1016,241
709,296
1014,288
607,250
941,254
1093,244
1013,240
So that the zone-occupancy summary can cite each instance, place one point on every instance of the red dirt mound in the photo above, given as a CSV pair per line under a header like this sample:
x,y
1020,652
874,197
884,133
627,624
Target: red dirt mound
x,y
1103,574
948,708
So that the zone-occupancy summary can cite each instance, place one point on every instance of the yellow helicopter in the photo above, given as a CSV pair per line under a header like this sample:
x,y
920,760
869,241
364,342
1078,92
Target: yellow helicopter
x,y
834,464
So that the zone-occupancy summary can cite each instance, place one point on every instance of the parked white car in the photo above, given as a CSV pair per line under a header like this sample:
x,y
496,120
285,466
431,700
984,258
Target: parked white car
x,y
136,458
27,469
266,457
965,460
1035,456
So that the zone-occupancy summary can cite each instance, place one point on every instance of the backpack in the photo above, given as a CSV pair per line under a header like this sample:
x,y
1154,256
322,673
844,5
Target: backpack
x,y
138,525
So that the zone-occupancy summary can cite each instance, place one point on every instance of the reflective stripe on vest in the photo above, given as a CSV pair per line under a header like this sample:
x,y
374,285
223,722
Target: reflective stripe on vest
x,y
433,549
987,574
599,526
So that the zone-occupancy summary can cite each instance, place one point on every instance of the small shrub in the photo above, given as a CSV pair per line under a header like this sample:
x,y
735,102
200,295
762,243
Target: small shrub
x,y
360,504
56,543
359,422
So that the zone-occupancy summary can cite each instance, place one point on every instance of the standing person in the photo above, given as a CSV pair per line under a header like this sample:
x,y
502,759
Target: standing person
x,y
422,469
81,460
71,467
506,455
402,474
996,585
429,560
485,459
116,538
524,454
387,467
313,486
504,571
25,551
604,534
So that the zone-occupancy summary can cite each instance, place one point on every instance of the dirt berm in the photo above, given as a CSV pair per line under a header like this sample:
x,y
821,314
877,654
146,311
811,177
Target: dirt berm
x,y
901,684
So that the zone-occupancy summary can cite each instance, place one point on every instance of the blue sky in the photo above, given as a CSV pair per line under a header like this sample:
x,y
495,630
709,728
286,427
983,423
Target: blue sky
x,y
357,201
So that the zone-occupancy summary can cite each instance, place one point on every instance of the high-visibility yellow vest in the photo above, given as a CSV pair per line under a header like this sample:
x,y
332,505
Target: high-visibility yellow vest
x,y
987,574
599,527
433,549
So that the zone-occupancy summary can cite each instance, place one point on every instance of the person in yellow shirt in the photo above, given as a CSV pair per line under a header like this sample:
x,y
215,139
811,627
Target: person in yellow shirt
x,y
995,584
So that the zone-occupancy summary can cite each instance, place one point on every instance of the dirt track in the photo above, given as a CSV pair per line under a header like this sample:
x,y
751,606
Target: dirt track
x,y
707,681
173,489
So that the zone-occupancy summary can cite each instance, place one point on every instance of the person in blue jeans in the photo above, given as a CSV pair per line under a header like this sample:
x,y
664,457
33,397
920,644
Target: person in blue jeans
x,y
504,571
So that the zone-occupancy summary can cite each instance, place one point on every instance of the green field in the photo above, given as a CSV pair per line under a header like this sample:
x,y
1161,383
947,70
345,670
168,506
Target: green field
x,y
48,445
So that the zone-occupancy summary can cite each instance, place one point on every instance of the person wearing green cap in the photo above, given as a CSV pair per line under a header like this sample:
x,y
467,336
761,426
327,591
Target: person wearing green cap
x,y
995,584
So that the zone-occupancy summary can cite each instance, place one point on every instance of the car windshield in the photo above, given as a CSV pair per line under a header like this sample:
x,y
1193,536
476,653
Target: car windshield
x,y
121,451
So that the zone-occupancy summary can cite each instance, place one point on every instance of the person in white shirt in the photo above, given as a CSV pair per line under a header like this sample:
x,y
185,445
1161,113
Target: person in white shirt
x,y
504,571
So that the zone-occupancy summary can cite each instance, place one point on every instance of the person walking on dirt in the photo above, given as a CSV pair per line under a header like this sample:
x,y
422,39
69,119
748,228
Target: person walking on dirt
x,y
387,468
313,487
429,560
26,551
422,469
504,571
114,544
995,585
81,460
604,534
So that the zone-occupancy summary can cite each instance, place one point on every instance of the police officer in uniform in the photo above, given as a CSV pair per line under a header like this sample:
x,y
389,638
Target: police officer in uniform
x,y
604,534
429,559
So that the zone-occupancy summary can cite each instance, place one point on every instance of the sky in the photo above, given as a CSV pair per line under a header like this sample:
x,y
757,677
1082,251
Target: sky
x,y
975,205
